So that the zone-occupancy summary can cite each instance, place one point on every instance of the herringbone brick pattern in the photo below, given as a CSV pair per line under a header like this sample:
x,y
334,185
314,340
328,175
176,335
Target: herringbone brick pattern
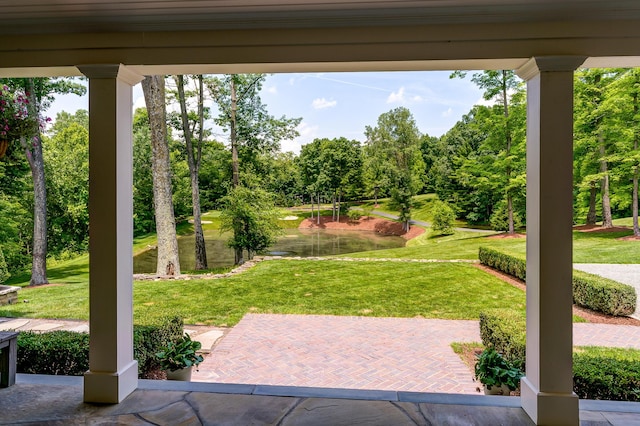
x,y
408,354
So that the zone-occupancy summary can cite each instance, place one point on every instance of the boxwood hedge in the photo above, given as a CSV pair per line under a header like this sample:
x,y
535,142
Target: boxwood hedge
x,y
589,290
67,352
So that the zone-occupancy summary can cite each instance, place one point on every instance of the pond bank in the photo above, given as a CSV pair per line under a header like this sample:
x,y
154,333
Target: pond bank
x,y
374,224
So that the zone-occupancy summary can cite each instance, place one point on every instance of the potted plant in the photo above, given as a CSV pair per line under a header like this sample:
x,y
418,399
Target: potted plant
x,y
498,375
179,357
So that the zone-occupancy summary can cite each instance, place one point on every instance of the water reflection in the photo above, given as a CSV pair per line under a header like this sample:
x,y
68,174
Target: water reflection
x,y
295,242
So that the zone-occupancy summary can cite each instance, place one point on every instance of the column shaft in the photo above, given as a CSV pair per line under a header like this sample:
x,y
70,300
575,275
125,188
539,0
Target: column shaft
x,y
113,373
547,389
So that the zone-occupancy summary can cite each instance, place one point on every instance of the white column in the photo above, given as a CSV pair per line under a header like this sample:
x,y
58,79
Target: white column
x,y
547,389
113,373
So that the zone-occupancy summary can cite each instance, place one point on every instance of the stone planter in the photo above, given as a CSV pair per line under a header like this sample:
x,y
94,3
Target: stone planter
x,y
8,294
183,374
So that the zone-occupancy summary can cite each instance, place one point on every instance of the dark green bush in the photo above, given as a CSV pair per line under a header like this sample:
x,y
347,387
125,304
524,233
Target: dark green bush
x,y
602,294
511,265
606,373
589,291
67,352
56,352
150,339
505,331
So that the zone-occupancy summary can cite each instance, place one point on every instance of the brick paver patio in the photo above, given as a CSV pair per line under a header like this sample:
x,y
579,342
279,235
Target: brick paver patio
x,y
408,354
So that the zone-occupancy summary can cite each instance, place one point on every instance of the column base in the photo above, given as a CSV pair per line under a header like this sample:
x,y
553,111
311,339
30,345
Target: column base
x,y
546,408
110,388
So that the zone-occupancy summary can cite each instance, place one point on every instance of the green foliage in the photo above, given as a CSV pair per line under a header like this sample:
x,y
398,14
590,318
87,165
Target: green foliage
x,y
443,217
508,264
505,331
499,219
354,215
589,290
151,338
143,215
56,352
603,295
492,369
4,272
180,354
67,353
252,217
606,373
66,157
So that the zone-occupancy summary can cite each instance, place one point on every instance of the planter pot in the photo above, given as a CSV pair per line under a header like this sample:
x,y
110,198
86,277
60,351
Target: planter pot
x,y
183,374
497,390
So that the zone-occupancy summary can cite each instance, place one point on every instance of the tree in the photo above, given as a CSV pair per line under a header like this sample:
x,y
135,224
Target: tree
x,y
40,92
66,160
592,141
252,217
193,132
252,130
395,142
443,217
496,85
168,262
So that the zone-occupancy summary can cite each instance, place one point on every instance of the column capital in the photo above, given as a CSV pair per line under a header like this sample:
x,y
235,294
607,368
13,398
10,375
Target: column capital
x,y
538,64
115,71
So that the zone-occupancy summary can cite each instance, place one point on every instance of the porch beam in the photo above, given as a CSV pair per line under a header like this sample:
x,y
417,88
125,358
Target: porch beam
x,y
547,390
113,372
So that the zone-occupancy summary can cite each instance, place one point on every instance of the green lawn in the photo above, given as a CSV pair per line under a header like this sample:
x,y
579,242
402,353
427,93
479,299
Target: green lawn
x,y
433,290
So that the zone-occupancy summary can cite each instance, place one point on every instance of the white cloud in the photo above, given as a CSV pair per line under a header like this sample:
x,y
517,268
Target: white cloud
x,y
272,89
447,113
307,132
322,103
396,97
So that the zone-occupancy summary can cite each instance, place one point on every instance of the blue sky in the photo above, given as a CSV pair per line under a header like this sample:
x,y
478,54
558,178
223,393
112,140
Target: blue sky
x,y
343,104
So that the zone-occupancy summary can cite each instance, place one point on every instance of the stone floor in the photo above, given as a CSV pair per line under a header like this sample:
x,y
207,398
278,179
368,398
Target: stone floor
x,y
55,400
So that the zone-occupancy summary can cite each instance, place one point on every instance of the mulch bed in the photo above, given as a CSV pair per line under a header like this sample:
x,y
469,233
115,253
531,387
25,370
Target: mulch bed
x,y
587,314
380,226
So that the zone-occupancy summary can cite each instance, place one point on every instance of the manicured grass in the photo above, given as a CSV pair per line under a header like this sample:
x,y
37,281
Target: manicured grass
x,y
603,247
421,210
382,289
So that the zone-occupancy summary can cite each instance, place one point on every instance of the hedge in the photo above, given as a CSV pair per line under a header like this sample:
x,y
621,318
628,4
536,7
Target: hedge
x,y
602,294
505,331
67,352
598,372
606,373
508,264
589,290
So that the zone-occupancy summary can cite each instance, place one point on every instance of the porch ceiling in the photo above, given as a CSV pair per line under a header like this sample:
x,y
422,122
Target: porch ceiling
x,y
48,38
68,16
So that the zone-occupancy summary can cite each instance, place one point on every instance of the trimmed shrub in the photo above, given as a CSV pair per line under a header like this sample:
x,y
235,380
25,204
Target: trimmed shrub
x,y
606,373
602,294
354,215
67,353
505,331
150,339
589,290
56,352
508,264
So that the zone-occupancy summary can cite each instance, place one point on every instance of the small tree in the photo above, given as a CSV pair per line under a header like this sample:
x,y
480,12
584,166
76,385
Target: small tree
x,y
253,218
443,218
4,273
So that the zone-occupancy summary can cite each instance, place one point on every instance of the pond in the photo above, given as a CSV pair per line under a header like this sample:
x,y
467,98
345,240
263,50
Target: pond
x,y
295,242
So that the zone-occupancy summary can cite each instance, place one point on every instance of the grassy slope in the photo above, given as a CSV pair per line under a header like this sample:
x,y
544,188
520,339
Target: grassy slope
x,y
299,287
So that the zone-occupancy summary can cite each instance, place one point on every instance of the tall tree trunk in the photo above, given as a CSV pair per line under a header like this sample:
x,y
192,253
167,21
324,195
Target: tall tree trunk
x,y
194,158
318,215
168,256
333,211
592,217
505,106
607,221
33,151
235,167
339,204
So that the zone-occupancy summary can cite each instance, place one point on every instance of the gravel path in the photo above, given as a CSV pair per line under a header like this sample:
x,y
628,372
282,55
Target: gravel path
x,y
623,273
